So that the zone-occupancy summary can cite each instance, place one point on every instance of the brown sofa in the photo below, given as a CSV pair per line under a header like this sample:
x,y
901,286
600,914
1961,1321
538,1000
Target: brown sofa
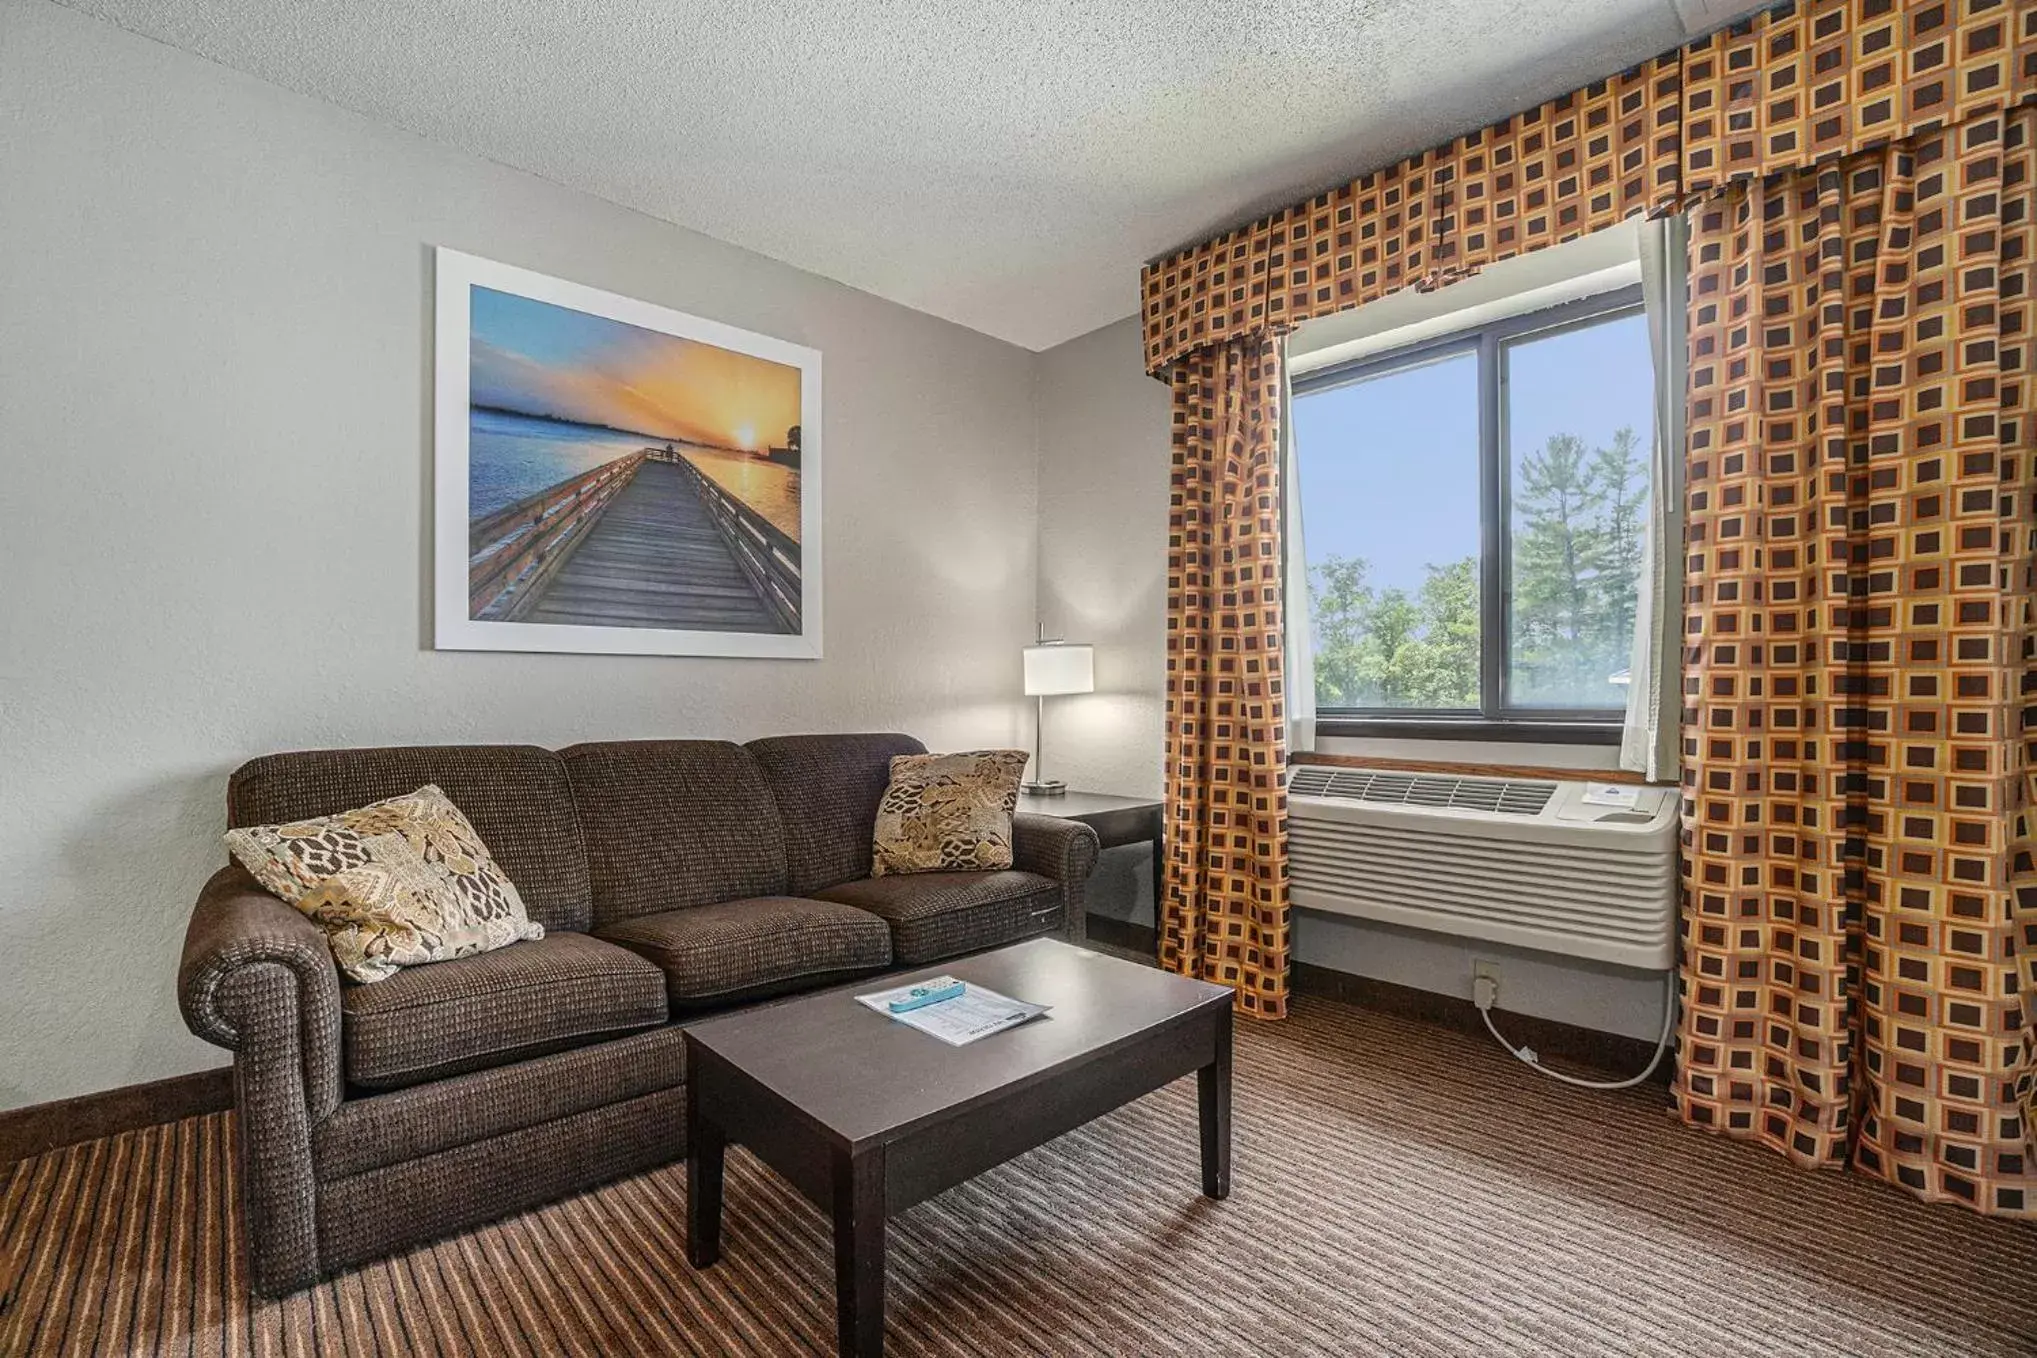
x,y
673,878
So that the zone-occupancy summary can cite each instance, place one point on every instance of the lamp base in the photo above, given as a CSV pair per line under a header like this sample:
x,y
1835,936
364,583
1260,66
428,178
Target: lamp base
x,y
1052,788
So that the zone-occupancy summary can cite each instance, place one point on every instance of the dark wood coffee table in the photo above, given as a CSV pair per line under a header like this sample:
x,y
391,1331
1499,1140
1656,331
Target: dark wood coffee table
x,y
866,1116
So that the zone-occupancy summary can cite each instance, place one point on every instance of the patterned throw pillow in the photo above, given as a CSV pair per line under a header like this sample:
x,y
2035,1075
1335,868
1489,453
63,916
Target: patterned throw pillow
x,y
948,812
395,884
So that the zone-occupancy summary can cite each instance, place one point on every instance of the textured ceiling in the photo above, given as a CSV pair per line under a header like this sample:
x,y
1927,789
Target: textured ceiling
x,y
1007,164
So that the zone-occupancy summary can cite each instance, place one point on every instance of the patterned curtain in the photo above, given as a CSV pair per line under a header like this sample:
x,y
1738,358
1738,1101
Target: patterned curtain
x,y
1224,902
1859,661
1796,85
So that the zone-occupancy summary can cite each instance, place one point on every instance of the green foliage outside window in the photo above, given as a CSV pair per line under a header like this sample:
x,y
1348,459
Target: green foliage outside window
x,y
1577,554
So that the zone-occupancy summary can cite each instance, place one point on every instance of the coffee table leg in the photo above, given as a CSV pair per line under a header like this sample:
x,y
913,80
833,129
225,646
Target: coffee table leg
x,y
704,1147
1213,1088
859,1253
1159,881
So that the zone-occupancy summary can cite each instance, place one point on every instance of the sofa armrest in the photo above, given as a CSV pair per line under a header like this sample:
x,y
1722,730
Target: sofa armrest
x,y
1064,850
258,978
237,924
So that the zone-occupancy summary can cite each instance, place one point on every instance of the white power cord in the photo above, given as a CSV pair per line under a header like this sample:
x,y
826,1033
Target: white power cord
x,y
1486,994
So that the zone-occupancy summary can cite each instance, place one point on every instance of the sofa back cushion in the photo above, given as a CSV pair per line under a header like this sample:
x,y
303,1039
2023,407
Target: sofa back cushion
x,y
827,789
516,797
674,823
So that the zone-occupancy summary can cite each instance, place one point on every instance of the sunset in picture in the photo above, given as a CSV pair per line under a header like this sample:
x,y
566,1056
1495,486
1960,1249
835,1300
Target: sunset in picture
x,y
622,477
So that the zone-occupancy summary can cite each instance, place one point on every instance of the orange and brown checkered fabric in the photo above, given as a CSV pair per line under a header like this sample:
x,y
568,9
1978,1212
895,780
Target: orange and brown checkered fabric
x,y
1224,905
1804,84
1860,587
1554,173
1795,86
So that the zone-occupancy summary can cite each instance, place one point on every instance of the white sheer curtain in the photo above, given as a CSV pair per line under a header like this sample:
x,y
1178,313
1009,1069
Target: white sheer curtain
x,y
1300,659
1649,733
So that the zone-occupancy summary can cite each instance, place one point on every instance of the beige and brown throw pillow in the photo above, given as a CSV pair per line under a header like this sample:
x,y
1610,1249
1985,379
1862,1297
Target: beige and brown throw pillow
x,y
948,812
399,883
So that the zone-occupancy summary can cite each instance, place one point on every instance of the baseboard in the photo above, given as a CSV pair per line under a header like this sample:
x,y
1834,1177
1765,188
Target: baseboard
x,y
1608,1053
40,1127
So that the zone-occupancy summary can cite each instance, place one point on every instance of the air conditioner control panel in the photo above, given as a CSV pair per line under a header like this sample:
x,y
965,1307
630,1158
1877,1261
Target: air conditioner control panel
x,y
1614,804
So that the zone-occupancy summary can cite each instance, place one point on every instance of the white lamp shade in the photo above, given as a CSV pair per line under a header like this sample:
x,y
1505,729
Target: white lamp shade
x,y
1057,667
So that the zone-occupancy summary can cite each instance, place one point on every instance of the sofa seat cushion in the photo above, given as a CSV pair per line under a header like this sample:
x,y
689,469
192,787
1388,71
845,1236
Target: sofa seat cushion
x,y
425,1023
761,945
945,914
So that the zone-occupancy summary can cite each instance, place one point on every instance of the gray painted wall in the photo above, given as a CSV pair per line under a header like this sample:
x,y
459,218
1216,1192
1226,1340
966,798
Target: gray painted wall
x,y
1104,455
215,427
1103,579
1104,452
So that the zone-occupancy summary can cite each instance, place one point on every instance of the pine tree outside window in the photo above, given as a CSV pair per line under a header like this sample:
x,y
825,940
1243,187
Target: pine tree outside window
x,y
1474,510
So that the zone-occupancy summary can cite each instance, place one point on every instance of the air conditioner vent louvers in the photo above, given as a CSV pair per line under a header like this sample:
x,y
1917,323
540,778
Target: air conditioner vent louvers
x,y
1308,779
1548,865
1526,799
1506,797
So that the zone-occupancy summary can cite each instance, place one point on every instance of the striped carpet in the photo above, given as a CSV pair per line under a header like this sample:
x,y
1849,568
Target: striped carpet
x,y
1400,1189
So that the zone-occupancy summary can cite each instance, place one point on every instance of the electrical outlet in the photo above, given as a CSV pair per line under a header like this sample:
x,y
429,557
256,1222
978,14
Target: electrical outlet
x,y
1485,982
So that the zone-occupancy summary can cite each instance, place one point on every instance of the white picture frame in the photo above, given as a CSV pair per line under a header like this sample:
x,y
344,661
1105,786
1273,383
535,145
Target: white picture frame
x,y
531,594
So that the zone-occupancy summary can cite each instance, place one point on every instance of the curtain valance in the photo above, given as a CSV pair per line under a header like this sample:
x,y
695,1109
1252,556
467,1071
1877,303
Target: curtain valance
x,y
1783,90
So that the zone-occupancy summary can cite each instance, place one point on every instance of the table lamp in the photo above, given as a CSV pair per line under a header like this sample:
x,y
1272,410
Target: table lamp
x,y
1054,668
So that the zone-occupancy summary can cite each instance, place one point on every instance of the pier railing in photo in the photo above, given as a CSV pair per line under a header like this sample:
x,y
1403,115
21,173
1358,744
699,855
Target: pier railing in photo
x,y
646,540
767,554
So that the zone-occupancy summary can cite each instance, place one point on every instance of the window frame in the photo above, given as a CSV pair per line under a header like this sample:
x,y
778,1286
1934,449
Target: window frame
x,y
1496,717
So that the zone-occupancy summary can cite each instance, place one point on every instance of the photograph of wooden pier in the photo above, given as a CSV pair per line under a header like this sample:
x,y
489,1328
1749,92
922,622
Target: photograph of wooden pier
x,y
628,484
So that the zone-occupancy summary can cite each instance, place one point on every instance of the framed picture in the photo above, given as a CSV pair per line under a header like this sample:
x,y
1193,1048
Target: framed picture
x,y
619,478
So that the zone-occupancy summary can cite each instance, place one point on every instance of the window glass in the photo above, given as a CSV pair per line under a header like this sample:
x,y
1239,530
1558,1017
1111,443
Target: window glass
x,y
1532,434
1579,418
1389,468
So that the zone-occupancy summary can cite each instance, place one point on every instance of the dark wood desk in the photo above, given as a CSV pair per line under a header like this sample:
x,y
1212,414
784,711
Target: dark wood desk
x,y
1117,821
866,1116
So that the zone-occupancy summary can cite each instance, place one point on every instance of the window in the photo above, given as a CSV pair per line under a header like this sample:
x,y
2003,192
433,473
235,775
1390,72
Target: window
x,y
1473,516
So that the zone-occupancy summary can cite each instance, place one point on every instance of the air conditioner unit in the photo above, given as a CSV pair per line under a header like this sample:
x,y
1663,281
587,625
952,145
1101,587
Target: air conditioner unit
x,y
1532,863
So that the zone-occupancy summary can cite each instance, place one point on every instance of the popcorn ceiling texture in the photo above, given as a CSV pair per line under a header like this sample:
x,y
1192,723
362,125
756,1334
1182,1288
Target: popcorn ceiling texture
x,y
1004,165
